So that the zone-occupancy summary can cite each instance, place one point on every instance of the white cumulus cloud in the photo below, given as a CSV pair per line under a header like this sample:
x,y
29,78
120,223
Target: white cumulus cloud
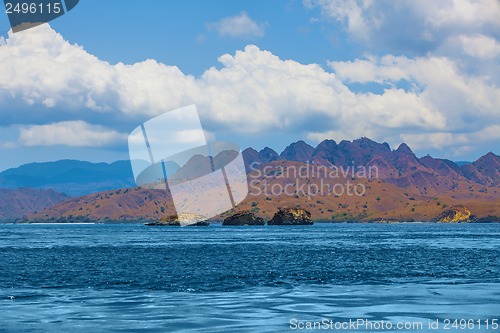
x,y
480,46
410,25
68,133
359,16
238,26
56,93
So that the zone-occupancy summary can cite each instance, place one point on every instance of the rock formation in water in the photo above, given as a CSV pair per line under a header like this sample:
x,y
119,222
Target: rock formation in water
x,y
180,220
243,218
291,216
456,214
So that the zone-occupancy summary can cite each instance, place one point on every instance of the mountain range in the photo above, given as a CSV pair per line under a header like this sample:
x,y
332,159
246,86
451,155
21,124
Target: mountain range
x,y
399,166
405,187
71,177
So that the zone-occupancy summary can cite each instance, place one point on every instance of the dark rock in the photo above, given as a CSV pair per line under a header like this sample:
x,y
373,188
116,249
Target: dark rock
x,y
191,220
486,219
291,216
163,224
177,224
243,218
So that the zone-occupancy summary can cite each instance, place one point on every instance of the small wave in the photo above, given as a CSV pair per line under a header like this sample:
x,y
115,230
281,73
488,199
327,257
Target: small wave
x,y
24,297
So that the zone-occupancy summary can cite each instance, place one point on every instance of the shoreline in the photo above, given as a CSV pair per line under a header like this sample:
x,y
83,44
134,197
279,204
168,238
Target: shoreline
x,y
109,222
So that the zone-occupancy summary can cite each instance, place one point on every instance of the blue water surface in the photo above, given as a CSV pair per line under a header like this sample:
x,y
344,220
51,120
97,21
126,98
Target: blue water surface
x,y
134,278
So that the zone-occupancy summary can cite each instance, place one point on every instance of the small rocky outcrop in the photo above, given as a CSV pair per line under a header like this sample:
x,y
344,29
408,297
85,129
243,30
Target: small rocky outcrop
x,y
243,218
291,216
455,214
181,220
486,219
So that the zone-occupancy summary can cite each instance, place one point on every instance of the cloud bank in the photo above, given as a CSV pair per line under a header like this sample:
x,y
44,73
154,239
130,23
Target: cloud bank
x,y
69,133
56,93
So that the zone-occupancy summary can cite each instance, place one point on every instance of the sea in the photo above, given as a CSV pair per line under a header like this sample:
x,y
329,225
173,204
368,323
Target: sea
x,y
401,277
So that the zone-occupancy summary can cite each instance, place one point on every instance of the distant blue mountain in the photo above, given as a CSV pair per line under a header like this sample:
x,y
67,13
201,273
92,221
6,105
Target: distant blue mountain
x,y
71,177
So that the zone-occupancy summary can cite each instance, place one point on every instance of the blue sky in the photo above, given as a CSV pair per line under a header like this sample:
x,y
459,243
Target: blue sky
x,y
261,73
172,32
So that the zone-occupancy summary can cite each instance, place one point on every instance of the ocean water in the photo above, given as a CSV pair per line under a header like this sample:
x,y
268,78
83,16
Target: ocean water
x,y
133,278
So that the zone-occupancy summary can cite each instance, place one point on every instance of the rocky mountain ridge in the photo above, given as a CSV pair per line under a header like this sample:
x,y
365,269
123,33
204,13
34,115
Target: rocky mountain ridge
x,y
405,187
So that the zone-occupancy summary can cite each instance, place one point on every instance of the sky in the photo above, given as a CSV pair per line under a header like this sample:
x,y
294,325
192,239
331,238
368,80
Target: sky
x,y
261,73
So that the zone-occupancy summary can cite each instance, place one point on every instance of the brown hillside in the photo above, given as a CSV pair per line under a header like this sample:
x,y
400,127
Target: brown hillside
x,y
380,201
402,187
21,202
